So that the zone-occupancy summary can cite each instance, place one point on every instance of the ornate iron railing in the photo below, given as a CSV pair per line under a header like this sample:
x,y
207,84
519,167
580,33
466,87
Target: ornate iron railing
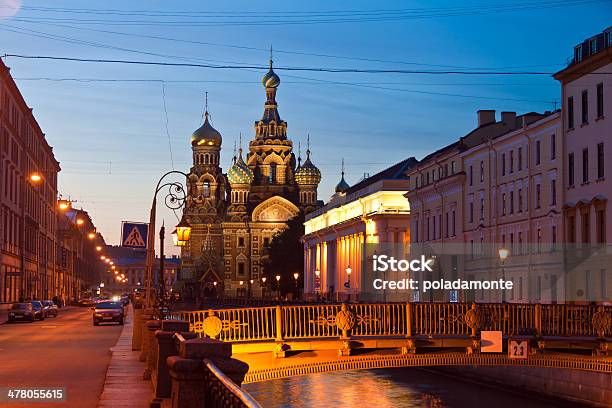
x,y
223,392
399,319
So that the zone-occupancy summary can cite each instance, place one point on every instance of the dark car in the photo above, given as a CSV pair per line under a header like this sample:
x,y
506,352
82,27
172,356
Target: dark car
x,y
51,308
38,309
108,311
86,302
21,312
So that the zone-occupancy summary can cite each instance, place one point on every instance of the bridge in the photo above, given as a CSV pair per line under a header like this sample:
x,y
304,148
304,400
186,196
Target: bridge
x,y
283,341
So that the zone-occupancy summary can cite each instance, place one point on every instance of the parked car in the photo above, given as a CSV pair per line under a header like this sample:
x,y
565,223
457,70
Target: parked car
x,y
21,312
51,308
125,300
86,302
108,311
38,309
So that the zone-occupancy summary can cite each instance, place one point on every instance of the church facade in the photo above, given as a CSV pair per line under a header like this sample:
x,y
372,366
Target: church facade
x,y
235,214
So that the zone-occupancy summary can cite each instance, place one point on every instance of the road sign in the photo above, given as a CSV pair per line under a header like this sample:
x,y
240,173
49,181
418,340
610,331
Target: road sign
x,y
518,349
491,342
134,234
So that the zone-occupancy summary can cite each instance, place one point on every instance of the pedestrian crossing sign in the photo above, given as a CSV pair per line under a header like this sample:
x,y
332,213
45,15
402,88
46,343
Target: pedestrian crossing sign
x,y
134,234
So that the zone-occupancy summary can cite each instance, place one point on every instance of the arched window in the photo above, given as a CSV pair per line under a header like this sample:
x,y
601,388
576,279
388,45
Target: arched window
x,y
206,189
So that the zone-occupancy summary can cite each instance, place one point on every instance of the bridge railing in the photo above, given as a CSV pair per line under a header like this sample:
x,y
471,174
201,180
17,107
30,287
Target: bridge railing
x,y
398,319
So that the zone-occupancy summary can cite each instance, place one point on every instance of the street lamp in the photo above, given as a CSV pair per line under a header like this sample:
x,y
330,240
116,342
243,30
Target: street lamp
x,y
278,285
80,221
348,281
91,235
503,254
35,177
63,205
297,291
98,248
318,283
101,284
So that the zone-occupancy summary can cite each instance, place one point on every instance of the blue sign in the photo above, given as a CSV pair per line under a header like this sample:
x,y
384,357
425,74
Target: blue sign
x,y
134,234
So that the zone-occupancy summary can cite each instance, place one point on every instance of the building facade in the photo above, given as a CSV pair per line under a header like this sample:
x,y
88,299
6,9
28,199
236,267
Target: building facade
x,y
131,263
235,215
337,235
28,191
586,90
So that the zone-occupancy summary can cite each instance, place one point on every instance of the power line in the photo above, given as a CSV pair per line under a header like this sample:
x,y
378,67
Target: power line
x,y
281,51
288,68
163,88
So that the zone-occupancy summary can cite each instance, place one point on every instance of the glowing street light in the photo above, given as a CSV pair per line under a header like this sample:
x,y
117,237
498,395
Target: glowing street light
x,y
80,221
99,248
503,254
63,205
91,235
35,177
102,257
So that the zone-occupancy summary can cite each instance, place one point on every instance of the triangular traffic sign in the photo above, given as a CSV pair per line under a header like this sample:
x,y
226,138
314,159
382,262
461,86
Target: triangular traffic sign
x,y
134,239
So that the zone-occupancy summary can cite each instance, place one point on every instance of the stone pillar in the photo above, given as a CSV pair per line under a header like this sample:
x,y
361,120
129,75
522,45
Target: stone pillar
x,y
188,371
137,329
147,314
165,346
151,347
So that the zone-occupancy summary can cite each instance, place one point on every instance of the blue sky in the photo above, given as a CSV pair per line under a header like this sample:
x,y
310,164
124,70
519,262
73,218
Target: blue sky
x,y
111,137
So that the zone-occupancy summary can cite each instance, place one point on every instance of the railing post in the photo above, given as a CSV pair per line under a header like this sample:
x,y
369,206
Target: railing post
x,y
537,318
345,321
280,347
410,347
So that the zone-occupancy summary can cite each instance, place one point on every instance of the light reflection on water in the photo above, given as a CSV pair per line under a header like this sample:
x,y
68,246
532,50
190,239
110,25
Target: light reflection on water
x,y
386,388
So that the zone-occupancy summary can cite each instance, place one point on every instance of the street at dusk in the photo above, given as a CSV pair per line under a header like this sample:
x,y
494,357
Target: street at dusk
x,y
249,204
67,351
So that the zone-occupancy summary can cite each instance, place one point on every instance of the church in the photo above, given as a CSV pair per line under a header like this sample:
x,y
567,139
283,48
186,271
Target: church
x,y
235,214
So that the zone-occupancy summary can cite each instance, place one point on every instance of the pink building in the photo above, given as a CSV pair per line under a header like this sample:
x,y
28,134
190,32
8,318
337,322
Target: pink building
x,y
586,87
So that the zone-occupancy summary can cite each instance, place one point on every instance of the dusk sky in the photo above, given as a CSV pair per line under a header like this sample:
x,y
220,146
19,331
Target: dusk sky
x,y
111,136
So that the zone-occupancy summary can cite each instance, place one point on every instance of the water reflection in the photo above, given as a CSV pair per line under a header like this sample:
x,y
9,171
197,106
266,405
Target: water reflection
x,y
400,387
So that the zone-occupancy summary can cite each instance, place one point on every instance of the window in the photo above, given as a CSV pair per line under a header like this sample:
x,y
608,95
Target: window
x,y
586,231
571,229
520,200
570,169
554,237
446,223
452,167
592,46
471,212
481,171
539,249
241,242
206,189
482,209
585,107
600,161
553,192
600,101
520,243
434,227
600,216
537,152
504,204
453,223
272,173
512,202
471,180
520,158
538,195
585,165
503,164
553,146
570,112
241,268
578,53
511,161
428,228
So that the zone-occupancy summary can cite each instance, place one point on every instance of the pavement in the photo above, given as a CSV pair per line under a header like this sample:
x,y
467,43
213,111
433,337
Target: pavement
x,y
67,351
124,386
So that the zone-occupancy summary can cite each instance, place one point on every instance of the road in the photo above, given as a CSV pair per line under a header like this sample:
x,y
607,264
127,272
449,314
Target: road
x,y
67,351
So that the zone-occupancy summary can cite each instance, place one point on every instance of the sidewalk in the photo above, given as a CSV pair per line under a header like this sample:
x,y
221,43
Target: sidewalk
x,y
124,386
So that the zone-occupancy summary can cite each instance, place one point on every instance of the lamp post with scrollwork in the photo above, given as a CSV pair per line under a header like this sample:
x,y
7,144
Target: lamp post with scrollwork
x,y
174,200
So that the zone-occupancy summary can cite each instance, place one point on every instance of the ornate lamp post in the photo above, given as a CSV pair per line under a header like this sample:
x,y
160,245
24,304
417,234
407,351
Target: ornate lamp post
x,y
174,200
263,287
503,254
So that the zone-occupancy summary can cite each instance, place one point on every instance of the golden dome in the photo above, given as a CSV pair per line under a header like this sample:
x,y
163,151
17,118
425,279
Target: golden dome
x,y
206,135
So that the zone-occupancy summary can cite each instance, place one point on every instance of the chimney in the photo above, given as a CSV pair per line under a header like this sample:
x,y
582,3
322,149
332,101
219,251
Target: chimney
x,y
485,117
509,119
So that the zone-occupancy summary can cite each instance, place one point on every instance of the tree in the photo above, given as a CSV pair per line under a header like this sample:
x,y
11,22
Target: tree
x,y
286,256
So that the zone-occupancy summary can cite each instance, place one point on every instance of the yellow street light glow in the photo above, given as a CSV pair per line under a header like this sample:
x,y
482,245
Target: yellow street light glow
x,y
107,260
35,177
113,267
63,205
112,263
98,248
116,272
277,278
80,221
102,257
91,235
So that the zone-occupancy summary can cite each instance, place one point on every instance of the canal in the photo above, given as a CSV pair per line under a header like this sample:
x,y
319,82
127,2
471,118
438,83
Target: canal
x,y
386,388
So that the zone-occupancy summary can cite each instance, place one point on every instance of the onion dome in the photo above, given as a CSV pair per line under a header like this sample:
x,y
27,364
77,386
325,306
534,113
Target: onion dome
x,y
270,80
206,135
308,173
342,186
240,173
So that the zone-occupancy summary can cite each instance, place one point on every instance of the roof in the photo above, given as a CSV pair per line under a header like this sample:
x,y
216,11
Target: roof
x,y
394,172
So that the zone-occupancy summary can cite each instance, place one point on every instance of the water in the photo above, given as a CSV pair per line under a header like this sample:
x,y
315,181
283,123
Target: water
x,y
386,388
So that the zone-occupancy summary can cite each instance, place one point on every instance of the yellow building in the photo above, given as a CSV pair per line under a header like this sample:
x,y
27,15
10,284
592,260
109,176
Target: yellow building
x,y
372,211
